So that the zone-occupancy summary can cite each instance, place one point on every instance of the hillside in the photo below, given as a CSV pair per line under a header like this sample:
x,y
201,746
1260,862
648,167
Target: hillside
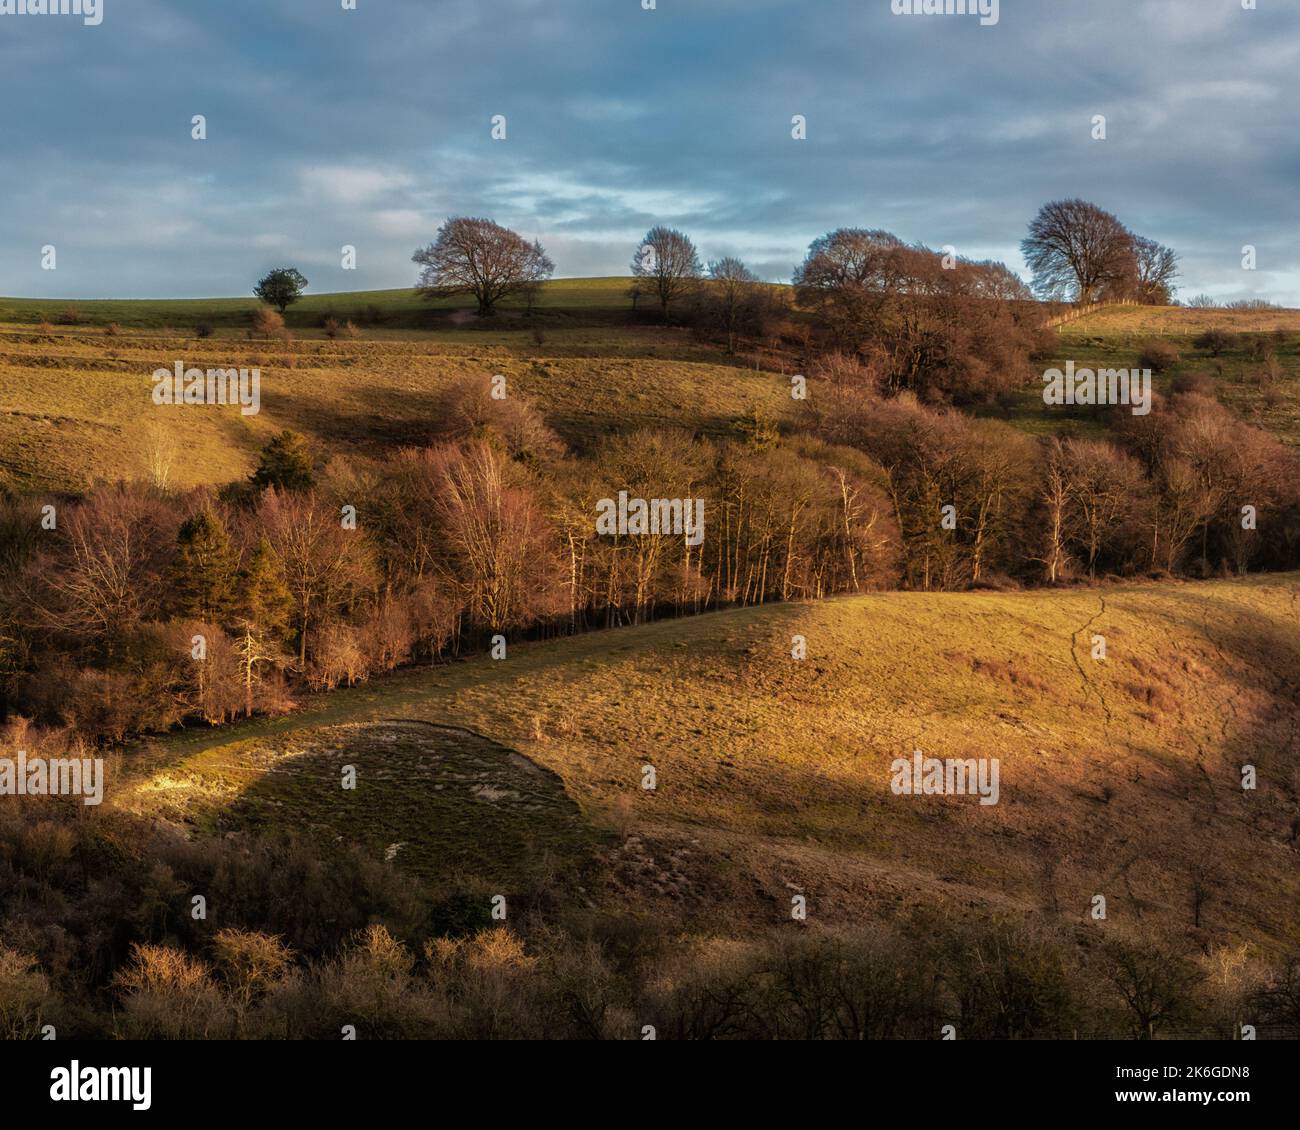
x,y
1257,375
77,408
1119,777
400,308
69,390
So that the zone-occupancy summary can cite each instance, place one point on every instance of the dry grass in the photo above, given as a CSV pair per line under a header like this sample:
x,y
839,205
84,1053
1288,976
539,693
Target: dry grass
x,y
70,414
1119,777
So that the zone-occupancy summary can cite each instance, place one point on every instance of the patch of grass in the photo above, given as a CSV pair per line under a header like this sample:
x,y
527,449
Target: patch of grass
x,y
436,801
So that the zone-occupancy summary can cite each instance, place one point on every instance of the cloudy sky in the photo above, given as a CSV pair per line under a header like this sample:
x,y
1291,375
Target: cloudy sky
x,y
369,127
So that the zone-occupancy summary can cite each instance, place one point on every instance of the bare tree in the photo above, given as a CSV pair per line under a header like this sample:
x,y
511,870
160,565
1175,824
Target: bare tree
x,y
1056,494
1076,249
479,257
325,567
735,298
99,579
850,275
668,261
1157,267
1107,490
498,545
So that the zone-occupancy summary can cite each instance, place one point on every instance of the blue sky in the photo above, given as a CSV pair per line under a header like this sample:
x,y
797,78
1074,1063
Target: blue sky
x,y
369,127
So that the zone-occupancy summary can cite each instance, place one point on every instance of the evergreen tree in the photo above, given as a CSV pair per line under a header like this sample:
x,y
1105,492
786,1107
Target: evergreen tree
x,y
202,576
262,615
287,463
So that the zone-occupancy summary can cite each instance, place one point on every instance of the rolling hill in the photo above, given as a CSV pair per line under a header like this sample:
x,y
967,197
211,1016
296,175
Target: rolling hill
x,y
75,408
1119,777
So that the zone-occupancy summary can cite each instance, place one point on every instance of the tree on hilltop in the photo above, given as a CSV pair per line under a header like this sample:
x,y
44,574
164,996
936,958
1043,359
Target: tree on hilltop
x,y
480,257
281,287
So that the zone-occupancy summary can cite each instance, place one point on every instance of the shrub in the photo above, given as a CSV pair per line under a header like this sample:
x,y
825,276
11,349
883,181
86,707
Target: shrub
x,y
1158,356
1198,383
466,409
25,997
169,995
249,962
267,322
1214,340
336,329
1258,347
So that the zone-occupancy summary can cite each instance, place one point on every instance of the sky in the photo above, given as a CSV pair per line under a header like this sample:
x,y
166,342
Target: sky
x,y
369,127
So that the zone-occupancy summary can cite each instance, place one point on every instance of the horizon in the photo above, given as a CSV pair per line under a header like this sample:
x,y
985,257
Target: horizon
x,y
328,134
466,300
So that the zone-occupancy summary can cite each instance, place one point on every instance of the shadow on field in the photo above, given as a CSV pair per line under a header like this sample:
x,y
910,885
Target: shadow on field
x,y
438,802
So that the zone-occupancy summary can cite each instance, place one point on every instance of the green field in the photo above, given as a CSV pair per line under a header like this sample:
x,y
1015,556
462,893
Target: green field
x,y
403,308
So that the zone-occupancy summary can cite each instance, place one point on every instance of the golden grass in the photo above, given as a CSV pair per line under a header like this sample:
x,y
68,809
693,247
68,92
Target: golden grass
x,y
75,406
1119,777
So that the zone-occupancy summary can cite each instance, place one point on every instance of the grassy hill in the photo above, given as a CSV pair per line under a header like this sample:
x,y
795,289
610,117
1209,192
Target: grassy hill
x,y
402,307
77,408
1119,777
74,399
1240,375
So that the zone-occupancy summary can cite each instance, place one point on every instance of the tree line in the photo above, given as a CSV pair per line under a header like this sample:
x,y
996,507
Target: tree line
x,y
1075,249
142,608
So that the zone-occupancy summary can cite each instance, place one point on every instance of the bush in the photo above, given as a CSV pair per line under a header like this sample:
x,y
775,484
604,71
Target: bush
x,y
169,995
1158,356
1269,373
1259,347
1198,384
25,997
466,409
267,322
1214,341
203,329
336,329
